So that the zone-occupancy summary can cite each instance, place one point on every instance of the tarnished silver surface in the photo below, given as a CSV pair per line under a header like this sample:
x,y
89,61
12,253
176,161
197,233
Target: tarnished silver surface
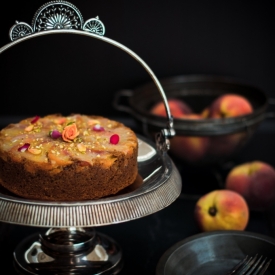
x,y
158,185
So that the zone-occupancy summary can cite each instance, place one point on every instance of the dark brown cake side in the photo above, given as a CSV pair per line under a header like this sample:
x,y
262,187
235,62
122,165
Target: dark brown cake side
x,y
76,182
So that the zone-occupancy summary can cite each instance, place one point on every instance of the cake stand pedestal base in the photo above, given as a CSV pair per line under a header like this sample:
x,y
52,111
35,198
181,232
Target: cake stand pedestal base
x,y
69,251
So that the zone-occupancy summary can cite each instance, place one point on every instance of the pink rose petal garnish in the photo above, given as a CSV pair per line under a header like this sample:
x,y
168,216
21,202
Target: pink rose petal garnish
x,y
24,147
97,127
35,119
114,139
55,134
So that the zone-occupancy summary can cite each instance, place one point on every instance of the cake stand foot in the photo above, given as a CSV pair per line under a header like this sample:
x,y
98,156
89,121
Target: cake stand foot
x,y
69,251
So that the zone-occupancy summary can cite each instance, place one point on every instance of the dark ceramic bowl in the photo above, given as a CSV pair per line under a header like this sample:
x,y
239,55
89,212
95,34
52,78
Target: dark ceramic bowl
x,y
215,253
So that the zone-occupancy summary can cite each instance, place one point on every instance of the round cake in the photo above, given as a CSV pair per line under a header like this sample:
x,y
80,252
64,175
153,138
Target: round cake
x,y
72,158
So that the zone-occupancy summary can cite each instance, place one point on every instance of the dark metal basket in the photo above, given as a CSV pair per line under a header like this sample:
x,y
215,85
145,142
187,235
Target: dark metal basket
x,y
198,91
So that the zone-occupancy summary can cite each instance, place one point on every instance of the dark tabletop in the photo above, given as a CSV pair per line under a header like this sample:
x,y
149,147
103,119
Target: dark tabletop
x,y
143,241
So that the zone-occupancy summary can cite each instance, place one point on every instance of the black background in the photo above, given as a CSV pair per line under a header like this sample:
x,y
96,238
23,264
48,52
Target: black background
x,y
72,73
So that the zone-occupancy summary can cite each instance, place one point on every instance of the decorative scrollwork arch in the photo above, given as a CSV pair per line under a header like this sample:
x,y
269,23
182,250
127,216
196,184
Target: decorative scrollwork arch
x,y
94,25
56,15
20,29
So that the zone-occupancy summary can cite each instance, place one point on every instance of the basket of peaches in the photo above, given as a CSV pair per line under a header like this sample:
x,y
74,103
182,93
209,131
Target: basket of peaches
x,y
214,116
203,148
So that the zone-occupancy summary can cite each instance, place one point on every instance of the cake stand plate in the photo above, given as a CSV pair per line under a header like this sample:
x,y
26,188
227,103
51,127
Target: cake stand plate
x,y
71,245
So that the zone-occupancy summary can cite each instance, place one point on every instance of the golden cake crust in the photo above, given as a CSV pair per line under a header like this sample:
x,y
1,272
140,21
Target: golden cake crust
x,y
57,158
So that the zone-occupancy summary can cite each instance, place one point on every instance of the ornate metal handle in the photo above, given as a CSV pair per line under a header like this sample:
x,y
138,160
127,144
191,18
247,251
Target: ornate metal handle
x,y
63,17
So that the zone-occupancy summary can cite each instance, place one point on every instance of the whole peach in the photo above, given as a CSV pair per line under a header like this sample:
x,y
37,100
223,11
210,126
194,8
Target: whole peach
x,y
221,210
177,108
229,105
255,181
189,148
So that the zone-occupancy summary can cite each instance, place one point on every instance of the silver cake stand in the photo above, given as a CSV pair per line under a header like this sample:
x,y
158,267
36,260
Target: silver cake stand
x,y
71,245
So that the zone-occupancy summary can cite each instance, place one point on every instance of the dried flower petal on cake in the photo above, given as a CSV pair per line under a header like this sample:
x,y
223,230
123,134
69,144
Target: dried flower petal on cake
x,y
114,139
70,132
98,128
24,147
55,134
35,119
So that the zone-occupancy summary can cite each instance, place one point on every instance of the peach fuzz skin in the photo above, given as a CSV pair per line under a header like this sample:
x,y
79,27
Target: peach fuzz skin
x,y
190,148
255,181
221,210
177,108
229,105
